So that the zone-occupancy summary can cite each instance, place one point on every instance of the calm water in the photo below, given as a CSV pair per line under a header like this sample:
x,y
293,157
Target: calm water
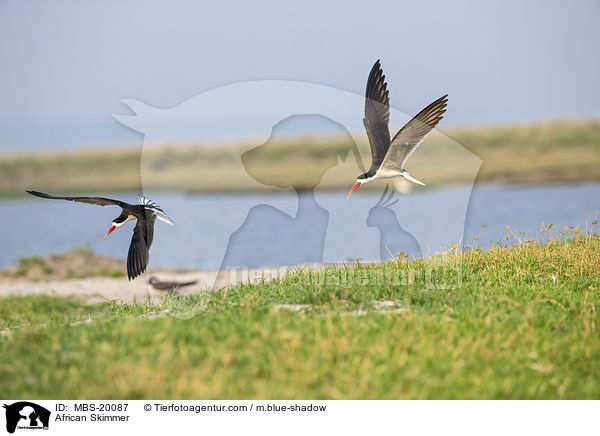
x,y
287,229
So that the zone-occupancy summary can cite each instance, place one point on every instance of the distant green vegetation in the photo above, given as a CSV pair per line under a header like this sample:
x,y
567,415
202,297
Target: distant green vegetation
x,y
561,151
77,263
542,136
513,322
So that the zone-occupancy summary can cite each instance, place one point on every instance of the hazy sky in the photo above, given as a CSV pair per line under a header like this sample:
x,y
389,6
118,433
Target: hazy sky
x,y
66,64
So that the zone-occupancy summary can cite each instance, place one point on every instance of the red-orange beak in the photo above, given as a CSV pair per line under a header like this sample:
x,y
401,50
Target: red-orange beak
x,y
110,230
354,188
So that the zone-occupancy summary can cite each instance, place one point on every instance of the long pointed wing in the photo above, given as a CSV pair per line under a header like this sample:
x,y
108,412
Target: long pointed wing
x,y
139,248
410,136
377,114
99,201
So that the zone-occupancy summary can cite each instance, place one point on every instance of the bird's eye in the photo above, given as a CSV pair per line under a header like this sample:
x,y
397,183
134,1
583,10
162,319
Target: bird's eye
x,y
362,176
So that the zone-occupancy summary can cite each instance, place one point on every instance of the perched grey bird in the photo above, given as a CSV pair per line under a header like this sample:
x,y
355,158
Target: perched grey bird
x,y
168,286
143,233
390,155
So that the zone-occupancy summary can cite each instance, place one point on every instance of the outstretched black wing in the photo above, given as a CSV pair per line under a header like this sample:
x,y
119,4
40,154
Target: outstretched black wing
x,y
377,114
139,249
99,201
410,136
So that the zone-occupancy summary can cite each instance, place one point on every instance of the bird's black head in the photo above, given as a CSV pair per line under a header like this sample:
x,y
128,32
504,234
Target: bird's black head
x,y
363,178
118,222
120,219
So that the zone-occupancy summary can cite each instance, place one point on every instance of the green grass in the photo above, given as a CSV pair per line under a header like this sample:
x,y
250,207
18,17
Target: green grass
x,y
510,154
43,311
512,322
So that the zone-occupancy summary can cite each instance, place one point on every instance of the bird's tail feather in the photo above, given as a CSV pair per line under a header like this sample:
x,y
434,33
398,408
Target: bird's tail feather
x,y
407,176
160,214
164,218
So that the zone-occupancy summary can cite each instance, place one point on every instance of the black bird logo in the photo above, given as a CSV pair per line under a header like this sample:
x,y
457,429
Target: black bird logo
x,y
143,233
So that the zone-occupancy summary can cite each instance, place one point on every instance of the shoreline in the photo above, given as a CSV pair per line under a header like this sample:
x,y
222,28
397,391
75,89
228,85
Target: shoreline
x,y
368,188
500,155
94,290
96,278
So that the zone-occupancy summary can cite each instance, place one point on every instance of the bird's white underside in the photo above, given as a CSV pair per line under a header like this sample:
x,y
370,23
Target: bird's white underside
x,y
387,173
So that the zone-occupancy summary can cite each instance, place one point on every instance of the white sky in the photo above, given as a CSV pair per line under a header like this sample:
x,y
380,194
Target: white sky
x,y
71,62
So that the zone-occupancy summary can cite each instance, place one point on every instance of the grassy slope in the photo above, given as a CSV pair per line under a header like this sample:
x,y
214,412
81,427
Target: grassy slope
x,y
522,324
550,152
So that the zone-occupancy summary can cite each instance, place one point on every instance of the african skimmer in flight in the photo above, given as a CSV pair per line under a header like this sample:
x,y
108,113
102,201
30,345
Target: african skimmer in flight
x,y
145,213
390,155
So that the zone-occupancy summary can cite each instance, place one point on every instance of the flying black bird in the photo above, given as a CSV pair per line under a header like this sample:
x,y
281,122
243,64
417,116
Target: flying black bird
x,y
145,213
390,155
168,286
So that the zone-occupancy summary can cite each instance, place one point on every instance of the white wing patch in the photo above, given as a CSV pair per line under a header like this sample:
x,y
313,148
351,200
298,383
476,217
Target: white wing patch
x,y
407,176
160,214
